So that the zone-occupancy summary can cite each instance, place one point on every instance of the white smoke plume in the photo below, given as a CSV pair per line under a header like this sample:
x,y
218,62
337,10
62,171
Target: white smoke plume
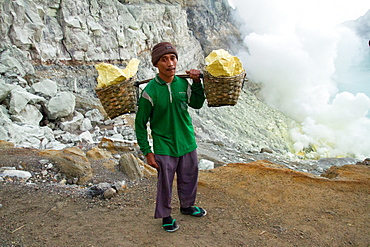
x,y
299,54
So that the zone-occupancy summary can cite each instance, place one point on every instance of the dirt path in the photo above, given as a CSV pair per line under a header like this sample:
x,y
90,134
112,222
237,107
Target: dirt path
x,y
258,204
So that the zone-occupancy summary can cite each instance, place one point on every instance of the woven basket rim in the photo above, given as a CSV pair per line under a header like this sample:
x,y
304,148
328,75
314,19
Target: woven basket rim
x,y
131,79
209,74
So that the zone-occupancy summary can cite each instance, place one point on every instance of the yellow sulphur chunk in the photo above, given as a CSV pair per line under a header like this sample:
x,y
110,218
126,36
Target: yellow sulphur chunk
x,y
131,68
221,63
110,74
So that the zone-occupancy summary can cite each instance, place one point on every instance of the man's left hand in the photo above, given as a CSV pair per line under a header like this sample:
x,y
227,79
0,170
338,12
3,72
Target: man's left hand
x,y
194,74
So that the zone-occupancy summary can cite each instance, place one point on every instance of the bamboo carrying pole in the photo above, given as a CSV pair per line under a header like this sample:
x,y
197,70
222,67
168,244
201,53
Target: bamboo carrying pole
x,y
138,83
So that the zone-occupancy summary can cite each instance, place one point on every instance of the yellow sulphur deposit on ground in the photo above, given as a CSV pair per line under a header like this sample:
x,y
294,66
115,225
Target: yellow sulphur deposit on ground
x,y
110,74
221,63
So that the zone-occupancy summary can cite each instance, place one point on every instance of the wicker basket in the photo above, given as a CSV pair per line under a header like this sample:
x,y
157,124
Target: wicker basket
x,y
118,99
222,90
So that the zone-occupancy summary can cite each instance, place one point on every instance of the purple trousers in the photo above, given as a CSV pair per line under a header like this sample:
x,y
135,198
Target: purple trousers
x,y
186,168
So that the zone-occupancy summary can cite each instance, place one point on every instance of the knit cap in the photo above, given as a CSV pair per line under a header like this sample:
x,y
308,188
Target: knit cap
x,y
161,49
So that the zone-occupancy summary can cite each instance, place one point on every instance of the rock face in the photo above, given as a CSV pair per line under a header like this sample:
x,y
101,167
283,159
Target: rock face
x,y
361,25
94,30
212,25
115,30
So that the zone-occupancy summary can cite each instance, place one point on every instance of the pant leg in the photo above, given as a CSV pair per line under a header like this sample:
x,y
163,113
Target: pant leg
x,y
166,173
187,179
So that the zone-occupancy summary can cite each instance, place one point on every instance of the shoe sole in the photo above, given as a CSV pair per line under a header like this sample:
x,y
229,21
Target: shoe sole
x,y
173,230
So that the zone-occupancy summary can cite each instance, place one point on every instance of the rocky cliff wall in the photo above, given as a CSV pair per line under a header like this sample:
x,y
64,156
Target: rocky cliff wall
x,y
58,34
93,30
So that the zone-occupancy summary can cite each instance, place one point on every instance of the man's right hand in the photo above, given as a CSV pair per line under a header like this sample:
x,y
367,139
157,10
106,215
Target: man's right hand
x,y
150,159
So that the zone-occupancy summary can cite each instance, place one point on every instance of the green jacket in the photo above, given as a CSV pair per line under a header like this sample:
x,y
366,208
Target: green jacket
x,y
165,106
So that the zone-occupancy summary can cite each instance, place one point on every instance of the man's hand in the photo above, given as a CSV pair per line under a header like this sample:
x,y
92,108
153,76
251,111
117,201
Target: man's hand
x,y
150,159
194,74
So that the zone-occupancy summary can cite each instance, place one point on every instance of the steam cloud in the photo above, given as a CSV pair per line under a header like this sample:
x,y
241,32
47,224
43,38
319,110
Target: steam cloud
x,y
299,60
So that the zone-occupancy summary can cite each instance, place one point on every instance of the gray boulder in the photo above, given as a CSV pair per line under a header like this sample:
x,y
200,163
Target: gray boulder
x,y
45,88
62,105
24,175
206,164
5,90
29,115
14,62
73,125
20,98
30,136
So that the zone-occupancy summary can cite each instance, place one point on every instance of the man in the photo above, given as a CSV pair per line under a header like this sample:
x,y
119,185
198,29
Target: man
x,y
164,103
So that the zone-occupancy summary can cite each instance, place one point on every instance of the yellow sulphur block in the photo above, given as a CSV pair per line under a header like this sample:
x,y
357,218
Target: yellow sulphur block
x,y
110,74
221,63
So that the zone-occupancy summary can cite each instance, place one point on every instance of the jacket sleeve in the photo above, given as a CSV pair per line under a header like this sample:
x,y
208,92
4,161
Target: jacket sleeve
x,y
141,120
197,97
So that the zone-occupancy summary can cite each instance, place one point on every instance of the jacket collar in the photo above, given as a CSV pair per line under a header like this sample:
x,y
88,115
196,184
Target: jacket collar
x,y
162,82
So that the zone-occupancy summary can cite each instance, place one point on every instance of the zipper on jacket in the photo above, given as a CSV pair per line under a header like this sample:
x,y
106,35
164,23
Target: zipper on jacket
x,y
169,90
